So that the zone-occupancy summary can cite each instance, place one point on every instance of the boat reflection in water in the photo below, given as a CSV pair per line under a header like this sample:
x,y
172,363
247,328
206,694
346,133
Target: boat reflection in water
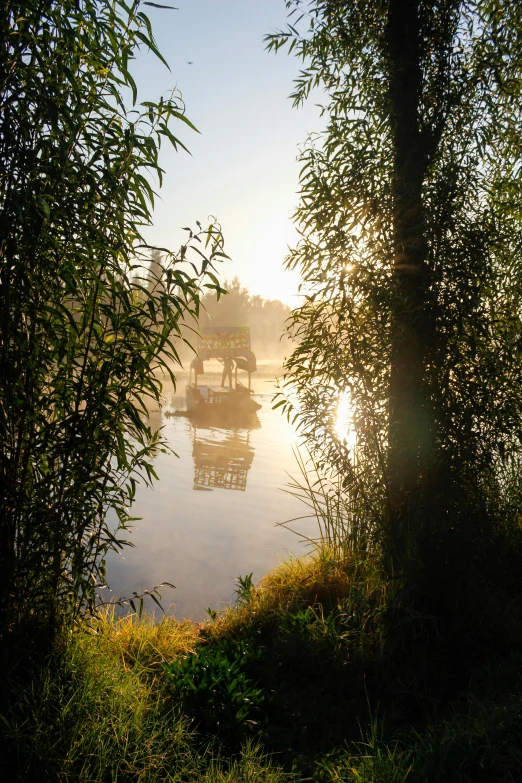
x,y
222,453
201,540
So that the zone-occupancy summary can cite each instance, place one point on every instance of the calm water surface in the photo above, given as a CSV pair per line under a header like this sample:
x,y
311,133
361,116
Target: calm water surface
x,y
217,509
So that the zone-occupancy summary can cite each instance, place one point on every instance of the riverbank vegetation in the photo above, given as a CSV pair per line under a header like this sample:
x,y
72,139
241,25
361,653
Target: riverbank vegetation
x,y
318,673
394,652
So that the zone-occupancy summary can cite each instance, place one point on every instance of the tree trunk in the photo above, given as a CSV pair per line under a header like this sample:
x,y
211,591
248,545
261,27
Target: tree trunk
x,y
411,425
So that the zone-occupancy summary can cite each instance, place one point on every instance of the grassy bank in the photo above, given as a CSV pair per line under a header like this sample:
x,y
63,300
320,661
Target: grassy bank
x,y
318,674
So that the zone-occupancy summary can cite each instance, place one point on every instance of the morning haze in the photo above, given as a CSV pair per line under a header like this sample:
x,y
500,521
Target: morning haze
x,y
207,574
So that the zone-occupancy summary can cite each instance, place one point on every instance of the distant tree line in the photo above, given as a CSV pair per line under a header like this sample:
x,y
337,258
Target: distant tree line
x,y
238,307
265,317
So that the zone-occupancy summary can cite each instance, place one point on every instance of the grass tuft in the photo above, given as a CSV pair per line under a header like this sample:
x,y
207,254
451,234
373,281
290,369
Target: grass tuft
x,y
142,643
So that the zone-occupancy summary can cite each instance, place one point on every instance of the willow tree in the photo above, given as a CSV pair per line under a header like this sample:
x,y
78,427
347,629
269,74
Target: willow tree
x,y
411,260
84,338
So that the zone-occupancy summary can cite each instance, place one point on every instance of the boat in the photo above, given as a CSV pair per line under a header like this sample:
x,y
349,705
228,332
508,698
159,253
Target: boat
x,y
231,346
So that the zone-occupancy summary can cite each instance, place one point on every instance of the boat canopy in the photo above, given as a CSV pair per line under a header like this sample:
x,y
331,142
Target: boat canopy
x,y
225,342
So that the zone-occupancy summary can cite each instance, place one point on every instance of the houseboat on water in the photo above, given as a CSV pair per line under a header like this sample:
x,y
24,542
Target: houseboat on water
x,y
230,345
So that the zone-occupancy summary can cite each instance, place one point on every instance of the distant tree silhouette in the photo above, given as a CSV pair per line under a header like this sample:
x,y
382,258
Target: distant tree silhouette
x,y
265,317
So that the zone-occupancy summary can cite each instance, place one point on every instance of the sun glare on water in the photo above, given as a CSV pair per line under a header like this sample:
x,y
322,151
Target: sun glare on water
x,y
344,426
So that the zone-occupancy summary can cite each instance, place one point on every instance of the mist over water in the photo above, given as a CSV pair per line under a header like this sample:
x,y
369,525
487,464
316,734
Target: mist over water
x,y
217,509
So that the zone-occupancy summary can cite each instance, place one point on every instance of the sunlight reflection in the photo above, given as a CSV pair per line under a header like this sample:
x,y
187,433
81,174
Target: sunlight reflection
x,y
344,425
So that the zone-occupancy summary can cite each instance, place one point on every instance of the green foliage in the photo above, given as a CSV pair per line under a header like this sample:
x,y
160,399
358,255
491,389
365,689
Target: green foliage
x,y
85,716
372,761
244,589
84,338
213,687
411,264
353,659
304,669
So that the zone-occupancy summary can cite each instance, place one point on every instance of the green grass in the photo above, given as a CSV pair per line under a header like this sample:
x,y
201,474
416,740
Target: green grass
x,y
98,711
319,673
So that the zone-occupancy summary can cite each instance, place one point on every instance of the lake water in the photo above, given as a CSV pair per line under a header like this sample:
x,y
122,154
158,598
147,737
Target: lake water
x,y
218,507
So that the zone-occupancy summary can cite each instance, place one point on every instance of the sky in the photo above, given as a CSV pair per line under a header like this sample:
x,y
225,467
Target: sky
x,y
242,168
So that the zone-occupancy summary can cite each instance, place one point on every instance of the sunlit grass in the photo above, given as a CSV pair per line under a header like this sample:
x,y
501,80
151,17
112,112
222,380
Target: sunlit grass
x,y
319,579
98,711
143,642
